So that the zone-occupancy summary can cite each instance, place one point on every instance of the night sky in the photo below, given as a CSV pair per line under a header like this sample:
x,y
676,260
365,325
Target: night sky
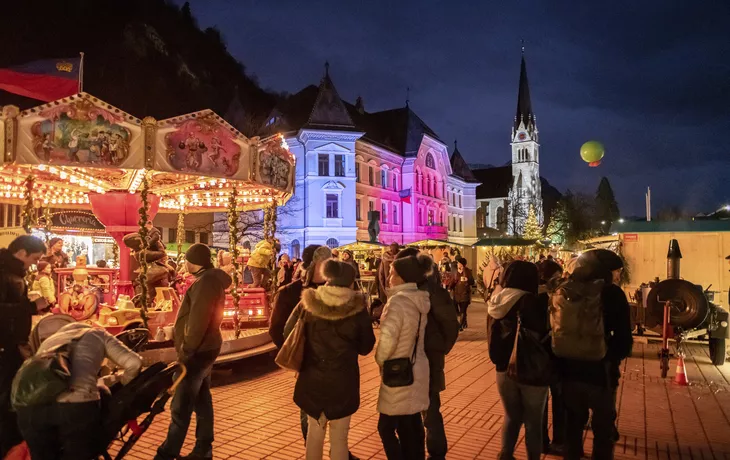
x,y
649,79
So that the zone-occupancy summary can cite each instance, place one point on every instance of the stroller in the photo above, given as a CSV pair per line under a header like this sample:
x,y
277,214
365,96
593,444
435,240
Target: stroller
x,y
146,394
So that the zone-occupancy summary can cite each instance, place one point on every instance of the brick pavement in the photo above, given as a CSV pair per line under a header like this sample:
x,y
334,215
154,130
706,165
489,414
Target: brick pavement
x,y
256,418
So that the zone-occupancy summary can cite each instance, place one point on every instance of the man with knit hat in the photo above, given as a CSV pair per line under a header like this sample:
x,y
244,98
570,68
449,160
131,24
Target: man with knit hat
x,y
197,342
384,271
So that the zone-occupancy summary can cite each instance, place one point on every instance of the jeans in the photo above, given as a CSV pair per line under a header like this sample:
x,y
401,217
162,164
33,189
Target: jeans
x,y
10,361
192,395
408,444
461,310
434,423
523,404
579,397
65,431
338,438
558,417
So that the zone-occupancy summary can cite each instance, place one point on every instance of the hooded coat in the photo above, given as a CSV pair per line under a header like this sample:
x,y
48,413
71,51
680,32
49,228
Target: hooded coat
x,y
337,329
198,323
399,326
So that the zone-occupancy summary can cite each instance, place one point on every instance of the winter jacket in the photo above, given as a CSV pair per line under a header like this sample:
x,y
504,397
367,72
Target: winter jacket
x,y
398,328
503,308
197,328
45,285
617,326
462,286
383,274
57,259
284,275
285,300
337,330
93,346
16,310
442,329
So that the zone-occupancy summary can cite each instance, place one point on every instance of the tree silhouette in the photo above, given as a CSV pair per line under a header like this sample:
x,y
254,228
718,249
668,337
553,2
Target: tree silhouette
x,y
606,211
559,226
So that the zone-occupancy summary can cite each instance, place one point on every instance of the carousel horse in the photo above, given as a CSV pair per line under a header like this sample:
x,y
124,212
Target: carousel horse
x,y
159,274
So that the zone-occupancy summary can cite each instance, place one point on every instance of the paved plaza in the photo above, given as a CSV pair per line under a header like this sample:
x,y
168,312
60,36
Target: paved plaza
x,y
256,418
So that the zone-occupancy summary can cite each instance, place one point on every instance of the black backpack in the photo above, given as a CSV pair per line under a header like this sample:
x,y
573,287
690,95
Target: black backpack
x,y
576,320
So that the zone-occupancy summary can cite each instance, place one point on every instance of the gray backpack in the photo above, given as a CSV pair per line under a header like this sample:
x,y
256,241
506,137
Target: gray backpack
x,y
576,320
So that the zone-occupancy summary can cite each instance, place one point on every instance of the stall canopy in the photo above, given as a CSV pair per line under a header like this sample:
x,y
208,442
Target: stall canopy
x,y
361,246
504,242
434,244
80,147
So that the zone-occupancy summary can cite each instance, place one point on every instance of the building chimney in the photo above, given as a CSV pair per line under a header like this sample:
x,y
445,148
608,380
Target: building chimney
x,y
359,105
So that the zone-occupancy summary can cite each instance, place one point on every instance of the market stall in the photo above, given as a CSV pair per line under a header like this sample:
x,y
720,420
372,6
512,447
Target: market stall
x,y
80,153
493,253
367,255
455,249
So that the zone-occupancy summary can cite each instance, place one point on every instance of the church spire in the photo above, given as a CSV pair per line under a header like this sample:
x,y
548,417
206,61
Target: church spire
x,y
524,104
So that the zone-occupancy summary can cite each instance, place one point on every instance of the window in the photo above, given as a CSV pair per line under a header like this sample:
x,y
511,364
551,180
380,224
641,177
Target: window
x,y
384,216
460,228
189,236
204,238
357,210
332,206
370,205
430,217
420,216
384,178
428,185
332,243
454,226
429,161
340,165
395,214
295,251
459,200
441,218
324,165
357,172
395,183
370,175
172,235
449,224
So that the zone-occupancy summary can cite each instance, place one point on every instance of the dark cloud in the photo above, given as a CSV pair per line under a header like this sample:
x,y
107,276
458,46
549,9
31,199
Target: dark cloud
x,y
648,78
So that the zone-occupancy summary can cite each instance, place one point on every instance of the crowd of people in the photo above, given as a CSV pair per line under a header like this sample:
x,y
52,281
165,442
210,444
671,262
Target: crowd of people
x,y
537,343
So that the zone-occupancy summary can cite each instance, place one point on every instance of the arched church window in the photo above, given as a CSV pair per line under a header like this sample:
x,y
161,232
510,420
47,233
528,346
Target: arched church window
x,y
430,162
295,249
332,243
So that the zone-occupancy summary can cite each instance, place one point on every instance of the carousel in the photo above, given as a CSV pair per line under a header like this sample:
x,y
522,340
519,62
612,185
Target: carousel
x,y
80,153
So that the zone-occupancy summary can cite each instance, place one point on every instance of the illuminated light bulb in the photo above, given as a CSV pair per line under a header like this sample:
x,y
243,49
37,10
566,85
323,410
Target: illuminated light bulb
x,y
41,167
82,183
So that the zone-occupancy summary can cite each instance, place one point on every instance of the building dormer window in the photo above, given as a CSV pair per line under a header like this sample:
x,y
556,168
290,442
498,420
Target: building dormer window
x,y
430,163
384,178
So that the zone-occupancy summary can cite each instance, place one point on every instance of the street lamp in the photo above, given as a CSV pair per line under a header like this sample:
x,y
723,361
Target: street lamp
x,y
620,221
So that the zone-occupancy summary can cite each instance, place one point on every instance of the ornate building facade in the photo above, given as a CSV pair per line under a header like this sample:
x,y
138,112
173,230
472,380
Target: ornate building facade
x,y
350,161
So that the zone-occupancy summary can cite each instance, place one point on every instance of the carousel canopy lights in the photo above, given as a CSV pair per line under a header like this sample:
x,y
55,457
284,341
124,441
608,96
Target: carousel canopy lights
x,y
81,145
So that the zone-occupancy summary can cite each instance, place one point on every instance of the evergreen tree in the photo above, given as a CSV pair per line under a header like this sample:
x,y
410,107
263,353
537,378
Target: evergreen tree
x,y
532,230
606,206
557,229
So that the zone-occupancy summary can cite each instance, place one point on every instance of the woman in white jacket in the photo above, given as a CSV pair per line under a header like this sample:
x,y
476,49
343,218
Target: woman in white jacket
x,y
402,327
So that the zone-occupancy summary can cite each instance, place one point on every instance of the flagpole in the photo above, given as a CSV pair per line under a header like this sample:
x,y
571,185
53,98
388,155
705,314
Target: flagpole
x,y
81,73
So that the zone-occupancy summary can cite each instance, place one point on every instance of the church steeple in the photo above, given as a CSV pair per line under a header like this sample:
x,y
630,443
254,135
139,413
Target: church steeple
x,y
525,115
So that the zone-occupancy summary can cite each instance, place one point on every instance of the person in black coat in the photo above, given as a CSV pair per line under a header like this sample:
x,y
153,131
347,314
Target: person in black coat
x,y
16,317
337,329
516,297
592,385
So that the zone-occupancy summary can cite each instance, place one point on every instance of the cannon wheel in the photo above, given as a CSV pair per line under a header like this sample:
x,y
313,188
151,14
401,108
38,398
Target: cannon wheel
x,y
717,351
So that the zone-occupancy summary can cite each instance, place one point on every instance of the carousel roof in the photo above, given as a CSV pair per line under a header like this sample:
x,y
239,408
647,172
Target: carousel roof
x,y
80,145
434,243
504,242
361,246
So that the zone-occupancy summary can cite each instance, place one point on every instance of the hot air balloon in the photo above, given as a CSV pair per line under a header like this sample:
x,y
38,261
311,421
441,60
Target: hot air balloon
x,y
592,153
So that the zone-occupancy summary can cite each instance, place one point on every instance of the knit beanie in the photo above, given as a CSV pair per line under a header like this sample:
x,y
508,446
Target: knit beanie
x,y
520,274
199,254
52,242
338,273
413,269
308,255
41,265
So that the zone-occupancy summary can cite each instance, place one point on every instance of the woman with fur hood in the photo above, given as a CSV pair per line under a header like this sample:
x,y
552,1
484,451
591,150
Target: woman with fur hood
x,y
402,328
337,329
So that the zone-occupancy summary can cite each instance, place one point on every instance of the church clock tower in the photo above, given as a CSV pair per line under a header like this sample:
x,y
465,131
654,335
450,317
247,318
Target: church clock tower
x,y
526,190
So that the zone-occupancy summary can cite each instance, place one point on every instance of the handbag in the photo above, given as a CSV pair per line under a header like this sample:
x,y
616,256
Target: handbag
x,y
398,372
530,362
291,354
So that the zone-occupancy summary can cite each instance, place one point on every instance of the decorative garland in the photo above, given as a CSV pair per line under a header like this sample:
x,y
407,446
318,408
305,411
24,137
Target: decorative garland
x,y
233,237
142,278
47,226
115,251
29,215
180,236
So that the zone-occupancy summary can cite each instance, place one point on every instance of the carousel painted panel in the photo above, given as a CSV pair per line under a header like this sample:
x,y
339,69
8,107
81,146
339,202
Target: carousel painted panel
x,y
79,131
273,164
201,144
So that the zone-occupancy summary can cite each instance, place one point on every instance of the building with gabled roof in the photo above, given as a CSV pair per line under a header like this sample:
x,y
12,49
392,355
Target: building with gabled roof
x,y
351,162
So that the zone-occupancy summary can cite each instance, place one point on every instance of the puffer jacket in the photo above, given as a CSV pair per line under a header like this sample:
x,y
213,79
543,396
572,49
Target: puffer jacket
x,y
198,323
93,346
338,329
398,327
45,285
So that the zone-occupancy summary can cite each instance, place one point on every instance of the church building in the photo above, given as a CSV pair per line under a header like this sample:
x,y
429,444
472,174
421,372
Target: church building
x,y
507,193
